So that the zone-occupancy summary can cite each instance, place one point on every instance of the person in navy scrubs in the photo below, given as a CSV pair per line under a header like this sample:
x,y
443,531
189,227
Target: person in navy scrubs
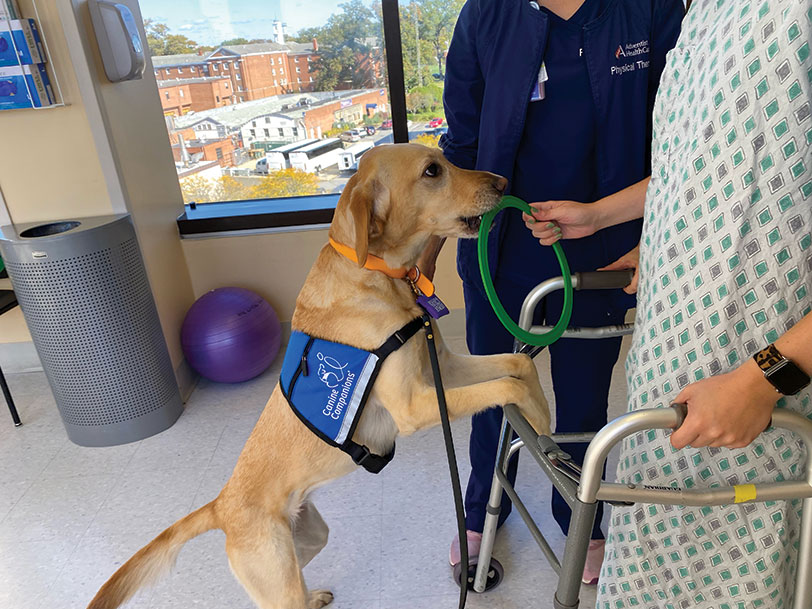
x,y
555,95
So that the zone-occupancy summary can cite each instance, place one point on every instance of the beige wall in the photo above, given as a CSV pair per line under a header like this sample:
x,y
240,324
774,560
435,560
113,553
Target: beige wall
x,y
49,167
275,266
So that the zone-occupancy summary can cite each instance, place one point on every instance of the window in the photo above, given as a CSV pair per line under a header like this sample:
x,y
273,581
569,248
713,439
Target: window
x,y
219,153
315,113
180,92
167,94
168,72
180,70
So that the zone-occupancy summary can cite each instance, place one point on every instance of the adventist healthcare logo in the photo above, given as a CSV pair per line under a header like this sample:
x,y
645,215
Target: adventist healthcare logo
x,y
630,55
632,50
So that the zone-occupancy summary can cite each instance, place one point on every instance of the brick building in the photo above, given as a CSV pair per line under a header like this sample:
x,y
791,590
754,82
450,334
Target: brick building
x,y
180,96
200,151
254,71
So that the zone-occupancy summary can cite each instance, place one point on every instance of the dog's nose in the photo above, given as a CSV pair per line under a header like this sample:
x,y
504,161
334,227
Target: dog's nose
x,y
500,184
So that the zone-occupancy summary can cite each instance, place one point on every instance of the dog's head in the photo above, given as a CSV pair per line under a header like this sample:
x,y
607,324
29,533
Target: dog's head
x,y
402,194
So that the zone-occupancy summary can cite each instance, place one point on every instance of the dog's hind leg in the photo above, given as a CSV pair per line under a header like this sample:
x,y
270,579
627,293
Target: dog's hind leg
x,y
263,558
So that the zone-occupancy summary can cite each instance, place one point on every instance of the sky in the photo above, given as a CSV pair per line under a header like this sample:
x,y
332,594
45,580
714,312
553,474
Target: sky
x,y
212,21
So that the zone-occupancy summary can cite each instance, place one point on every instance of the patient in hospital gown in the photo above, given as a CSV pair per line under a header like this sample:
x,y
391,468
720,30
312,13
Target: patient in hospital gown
x,y
725,269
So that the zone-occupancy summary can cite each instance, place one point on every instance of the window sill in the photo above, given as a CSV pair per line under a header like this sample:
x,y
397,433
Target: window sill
x,y
259,216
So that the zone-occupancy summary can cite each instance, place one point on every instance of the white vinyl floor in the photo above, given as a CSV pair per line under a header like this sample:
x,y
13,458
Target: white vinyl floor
x,y
70,515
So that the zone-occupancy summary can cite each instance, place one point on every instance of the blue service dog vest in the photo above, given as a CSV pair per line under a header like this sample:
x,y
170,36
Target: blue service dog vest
x,y
327,385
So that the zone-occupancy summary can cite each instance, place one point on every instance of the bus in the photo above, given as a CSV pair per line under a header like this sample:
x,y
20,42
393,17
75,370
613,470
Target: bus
x,y
279,158
348,159
316,156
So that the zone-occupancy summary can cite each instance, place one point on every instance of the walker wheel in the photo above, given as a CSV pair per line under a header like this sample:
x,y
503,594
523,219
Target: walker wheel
x,y
495,574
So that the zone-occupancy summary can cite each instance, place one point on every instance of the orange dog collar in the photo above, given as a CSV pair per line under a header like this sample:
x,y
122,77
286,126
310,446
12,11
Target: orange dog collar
x,y
374,263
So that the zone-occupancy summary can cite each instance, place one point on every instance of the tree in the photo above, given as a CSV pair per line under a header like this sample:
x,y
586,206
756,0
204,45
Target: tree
x,y
161,42
233,41
286,183
229,189
427,25
206,190
426,139
349,48
437,20
196,189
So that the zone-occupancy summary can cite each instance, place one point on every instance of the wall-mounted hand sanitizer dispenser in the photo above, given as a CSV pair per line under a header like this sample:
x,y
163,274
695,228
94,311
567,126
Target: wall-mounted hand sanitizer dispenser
x,y
119,40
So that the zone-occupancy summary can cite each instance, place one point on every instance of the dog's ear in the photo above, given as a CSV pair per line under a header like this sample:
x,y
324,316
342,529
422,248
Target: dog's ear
x,y
367,204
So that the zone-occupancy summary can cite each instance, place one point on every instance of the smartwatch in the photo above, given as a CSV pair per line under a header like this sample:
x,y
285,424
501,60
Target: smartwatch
x,y
783,374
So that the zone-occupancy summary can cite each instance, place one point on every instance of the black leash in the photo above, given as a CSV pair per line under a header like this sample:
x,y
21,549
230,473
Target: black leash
x,y
452,460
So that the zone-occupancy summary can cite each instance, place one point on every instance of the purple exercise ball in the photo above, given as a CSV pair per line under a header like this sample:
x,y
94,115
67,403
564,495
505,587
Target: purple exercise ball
x,y
230,335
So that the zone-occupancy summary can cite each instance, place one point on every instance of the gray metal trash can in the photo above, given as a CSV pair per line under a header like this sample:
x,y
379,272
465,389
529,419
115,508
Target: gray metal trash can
x,y
83,290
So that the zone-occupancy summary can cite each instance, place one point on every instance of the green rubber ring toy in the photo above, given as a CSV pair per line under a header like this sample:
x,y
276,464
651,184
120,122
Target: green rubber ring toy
x,y
530,338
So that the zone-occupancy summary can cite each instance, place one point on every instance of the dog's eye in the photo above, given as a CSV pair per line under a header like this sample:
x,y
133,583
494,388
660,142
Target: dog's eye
x,y
432,171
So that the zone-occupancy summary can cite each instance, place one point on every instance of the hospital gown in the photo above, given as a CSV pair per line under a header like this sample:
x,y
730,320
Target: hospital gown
x,y
725,268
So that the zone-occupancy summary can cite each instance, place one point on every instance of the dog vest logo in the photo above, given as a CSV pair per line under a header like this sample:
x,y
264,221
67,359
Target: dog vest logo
x,y
340,382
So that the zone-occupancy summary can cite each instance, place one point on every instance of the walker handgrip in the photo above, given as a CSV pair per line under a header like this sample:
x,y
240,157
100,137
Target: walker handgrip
x,y
604,280
682,411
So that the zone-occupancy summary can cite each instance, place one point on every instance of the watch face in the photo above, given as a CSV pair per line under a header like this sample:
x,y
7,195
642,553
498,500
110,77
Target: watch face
x,y
788,378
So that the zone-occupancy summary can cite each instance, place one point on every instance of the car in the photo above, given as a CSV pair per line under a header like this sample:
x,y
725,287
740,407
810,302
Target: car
x,y
435,122
387,124
350,136
370,129
359,131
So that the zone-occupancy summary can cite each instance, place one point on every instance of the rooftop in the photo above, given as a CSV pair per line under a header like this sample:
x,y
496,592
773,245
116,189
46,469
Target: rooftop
x,y
163,61
174,82
236,115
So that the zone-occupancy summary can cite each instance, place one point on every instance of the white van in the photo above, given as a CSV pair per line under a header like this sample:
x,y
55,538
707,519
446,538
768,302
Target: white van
x,y
348,159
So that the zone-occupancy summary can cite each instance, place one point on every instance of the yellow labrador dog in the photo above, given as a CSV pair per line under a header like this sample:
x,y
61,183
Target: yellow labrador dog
x,y
401,196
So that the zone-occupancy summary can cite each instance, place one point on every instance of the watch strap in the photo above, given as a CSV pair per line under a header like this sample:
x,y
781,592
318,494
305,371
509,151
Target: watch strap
x,y
768,357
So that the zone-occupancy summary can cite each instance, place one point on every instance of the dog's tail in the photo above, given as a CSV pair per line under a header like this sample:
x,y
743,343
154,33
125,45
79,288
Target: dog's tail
x,y
154,559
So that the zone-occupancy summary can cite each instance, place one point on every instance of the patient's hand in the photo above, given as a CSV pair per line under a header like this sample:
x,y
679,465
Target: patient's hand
x,y
727,410
630,260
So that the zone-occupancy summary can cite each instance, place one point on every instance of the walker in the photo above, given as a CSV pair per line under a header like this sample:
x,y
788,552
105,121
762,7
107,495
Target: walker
x,y
582,487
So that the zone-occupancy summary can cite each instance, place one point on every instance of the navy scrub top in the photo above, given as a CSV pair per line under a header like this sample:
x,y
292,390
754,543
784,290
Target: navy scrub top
x,y
556,159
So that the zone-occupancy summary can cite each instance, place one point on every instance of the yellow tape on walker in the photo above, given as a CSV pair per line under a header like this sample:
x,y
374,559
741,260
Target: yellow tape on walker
x,y
744,492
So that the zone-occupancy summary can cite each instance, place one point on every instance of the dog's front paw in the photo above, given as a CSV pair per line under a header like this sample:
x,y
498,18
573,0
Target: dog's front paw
x,y
319,598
